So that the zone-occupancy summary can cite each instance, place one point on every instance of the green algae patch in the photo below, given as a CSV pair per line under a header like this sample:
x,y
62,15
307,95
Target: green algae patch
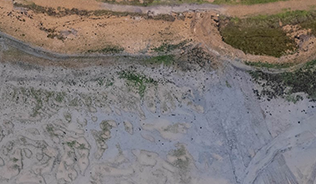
x,y
138,80
164,59
71,144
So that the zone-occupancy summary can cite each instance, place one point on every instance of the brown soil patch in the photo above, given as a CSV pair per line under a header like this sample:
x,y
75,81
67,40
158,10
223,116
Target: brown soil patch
x,y
77,34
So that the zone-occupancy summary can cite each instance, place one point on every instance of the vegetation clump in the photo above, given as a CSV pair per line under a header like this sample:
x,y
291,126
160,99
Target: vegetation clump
x,y
264,34
138,80
71,144
254,37
164,59
60,97
287,84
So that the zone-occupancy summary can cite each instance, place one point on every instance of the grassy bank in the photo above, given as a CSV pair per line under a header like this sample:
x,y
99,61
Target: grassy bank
x,y
263,35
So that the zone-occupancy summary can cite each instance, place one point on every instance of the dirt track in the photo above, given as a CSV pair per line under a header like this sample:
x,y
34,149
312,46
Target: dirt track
x,y
231,10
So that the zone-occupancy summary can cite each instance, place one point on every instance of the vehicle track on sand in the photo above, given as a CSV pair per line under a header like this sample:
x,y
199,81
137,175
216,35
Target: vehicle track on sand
x,y
163,9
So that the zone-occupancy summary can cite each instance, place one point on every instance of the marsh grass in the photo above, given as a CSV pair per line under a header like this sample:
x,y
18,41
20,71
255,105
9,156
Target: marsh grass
x,y
258,39
263,34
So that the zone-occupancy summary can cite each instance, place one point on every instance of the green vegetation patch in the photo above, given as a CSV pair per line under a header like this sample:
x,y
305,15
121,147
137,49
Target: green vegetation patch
x,y
50,129
71,144
138,80
263,34
81,146
164,59
228,85
15,159
287,84
106,82
254,37
60,96
112,13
